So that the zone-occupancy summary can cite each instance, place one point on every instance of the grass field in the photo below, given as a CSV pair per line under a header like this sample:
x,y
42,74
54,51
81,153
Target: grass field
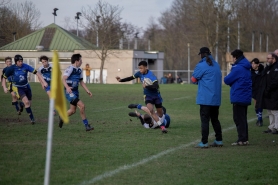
x,y
120,151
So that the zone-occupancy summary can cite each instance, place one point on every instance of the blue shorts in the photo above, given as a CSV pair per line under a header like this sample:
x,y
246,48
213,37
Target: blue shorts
x,y
25,91
47,88
153,99
72,96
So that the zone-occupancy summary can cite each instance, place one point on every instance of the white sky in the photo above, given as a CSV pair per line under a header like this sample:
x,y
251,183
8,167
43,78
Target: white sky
x,y
137,12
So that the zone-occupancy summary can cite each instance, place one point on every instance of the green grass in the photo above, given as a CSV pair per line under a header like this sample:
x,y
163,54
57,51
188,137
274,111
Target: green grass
x,y
118,141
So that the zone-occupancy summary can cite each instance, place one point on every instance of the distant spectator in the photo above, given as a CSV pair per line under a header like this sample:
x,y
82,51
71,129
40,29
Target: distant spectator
x,y
88,72
268,95
163,79
170,79
179,80
276,52
256,73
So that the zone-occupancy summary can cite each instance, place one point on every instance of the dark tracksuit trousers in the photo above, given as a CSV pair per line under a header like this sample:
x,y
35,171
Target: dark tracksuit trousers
x,y
240,119
210,113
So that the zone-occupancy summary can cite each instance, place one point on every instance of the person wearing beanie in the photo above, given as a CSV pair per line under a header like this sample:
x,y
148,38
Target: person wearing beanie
x,y
207,75
239,79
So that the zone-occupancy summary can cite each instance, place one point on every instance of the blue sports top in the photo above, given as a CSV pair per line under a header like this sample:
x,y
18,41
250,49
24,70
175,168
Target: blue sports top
x,y
10,78
152,77
74,77
46,73
19,74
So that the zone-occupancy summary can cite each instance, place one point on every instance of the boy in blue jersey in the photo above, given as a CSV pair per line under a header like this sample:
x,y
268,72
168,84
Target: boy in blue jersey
x,y
151,91
45,71
71,78
12,89
19,72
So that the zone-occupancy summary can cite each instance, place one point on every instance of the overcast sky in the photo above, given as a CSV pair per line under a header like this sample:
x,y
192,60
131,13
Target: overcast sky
x,y
136,12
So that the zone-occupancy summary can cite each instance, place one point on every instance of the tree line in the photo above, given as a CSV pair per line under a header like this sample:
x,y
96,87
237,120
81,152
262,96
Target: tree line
x,y
221,25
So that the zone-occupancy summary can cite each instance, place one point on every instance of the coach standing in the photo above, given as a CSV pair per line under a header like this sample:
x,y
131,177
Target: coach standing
x,y
207,75
239,79
268,94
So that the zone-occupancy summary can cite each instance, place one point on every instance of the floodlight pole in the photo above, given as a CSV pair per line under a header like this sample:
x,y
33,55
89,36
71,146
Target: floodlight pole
x,y
188,64
14,33
97,20
54,13
77,17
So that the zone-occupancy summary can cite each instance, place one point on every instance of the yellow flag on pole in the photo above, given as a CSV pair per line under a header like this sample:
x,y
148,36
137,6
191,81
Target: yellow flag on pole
x,y
57,89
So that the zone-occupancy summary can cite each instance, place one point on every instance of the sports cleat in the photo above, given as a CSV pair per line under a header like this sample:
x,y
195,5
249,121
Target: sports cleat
x,y
202,145
131,106
216,144
19,113
32,122
133,114
274,132
88,127
61,122
240,143
268,131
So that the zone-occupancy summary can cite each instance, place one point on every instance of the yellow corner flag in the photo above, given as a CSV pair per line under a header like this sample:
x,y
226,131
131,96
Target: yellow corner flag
x,y
57,89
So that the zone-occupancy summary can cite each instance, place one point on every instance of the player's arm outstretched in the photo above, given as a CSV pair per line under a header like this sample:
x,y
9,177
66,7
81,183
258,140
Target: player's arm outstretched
x,y
85,87
125,79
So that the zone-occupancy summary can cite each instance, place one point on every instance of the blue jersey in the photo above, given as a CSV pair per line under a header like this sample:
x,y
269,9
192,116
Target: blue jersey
x,y
150,76
74,75
46,73
10,78
19,74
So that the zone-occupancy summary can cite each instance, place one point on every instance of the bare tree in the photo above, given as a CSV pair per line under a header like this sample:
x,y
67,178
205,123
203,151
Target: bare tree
x,y
104,30
19,19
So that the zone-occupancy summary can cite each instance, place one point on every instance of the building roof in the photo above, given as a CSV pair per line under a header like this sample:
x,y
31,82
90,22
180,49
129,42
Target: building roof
x,y
51,37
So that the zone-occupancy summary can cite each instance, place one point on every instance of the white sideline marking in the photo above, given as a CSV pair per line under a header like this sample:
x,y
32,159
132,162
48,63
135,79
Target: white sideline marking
x,y
144,161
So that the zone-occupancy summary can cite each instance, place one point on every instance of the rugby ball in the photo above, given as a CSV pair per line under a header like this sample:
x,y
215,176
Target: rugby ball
x,y
147,81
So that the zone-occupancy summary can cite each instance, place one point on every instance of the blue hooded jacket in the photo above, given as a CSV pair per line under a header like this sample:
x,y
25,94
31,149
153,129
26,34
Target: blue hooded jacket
x,y
240,81
209,82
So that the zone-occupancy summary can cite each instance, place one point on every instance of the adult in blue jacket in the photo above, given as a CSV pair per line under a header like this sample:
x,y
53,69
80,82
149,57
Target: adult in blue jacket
x,y
239,79
207,75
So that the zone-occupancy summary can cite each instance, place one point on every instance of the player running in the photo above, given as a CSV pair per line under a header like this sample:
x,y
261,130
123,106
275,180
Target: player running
x,y
19,72
146,120
45,71
12,89
151,92
71,78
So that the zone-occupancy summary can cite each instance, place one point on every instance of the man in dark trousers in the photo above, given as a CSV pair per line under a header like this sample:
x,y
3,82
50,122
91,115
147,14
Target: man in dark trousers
x,y
239,79
268,95
256,73
207,75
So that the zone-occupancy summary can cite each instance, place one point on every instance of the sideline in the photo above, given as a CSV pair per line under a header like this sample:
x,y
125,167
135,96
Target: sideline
x,y
146,160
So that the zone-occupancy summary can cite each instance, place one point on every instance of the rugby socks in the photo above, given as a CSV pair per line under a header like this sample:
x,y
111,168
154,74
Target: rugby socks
x,y
21,104
29,111
139,106
259,113
16,106
85,122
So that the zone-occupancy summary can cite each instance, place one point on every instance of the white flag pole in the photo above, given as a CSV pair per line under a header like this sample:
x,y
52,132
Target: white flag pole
x,y
49,142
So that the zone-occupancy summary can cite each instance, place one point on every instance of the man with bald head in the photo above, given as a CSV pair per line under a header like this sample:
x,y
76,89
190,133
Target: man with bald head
x,y
276,52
